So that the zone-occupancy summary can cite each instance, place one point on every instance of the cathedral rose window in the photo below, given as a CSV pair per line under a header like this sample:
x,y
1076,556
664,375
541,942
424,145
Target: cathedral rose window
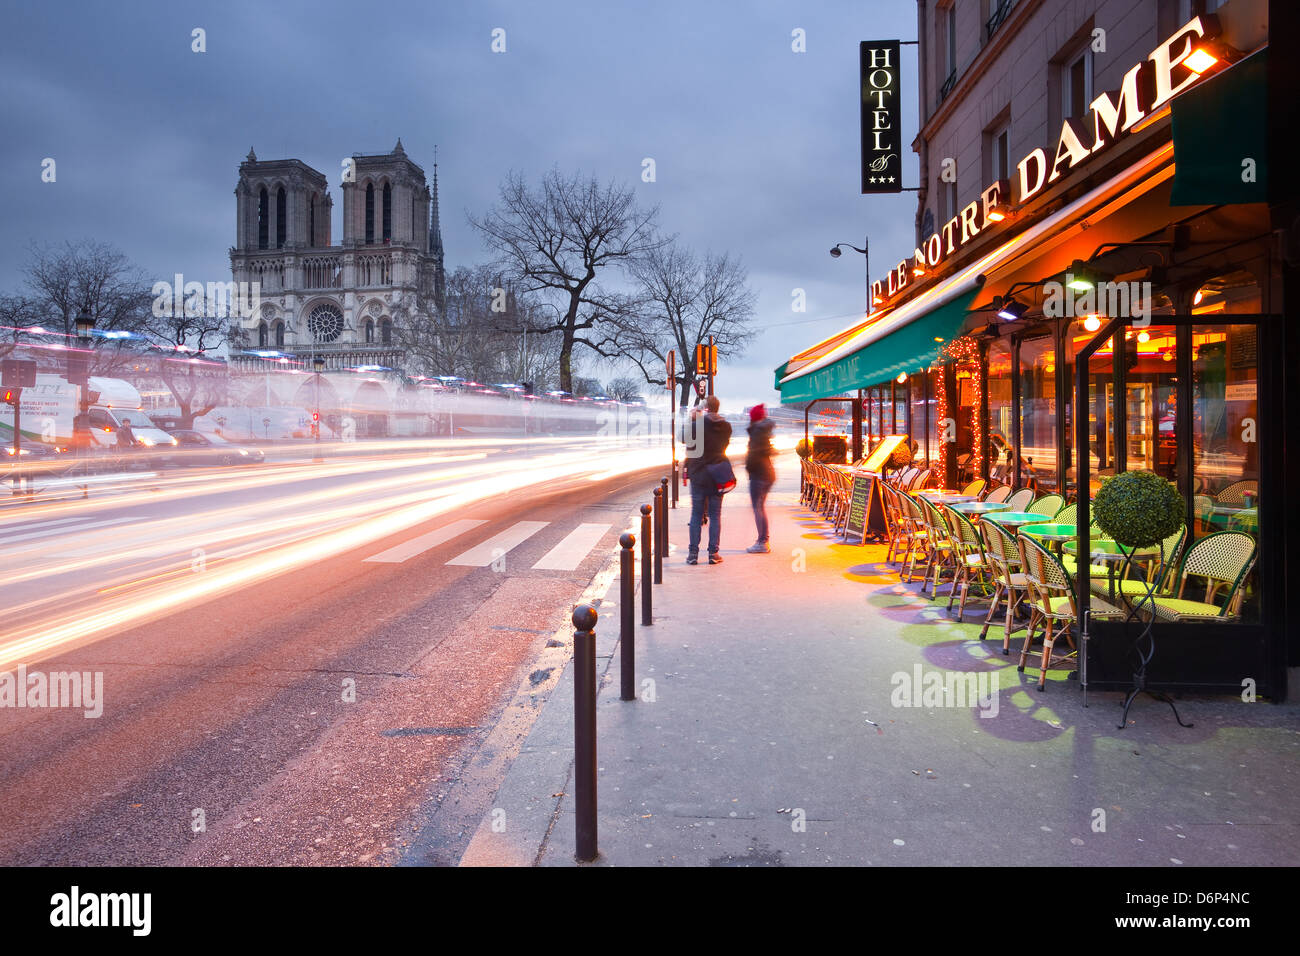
x,y
325,323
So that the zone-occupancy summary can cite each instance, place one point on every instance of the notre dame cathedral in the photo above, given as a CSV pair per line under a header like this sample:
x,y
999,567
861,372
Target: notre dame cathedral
x,y
342,303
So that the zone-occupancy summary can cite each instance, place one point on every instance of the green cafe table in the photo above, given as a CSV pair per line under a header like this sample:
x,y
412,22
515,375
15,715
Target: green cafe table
x,y
948,497
1112,554
1054,534
979,507
1015,519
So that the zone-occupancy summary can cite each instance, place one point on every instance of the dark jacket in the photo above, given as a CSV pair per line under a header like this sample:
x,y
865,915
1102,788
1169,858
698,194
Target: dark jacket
x,y
758,460
717,435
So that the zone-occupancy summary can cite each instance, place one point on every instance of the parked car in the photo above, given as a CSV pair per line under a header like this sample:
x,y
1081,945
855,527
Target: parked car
x,y
200,448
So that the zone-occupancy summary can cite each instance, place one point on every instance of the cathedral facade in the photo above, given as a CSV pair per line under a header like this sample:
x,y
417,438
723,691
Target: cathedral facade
x,y
347,303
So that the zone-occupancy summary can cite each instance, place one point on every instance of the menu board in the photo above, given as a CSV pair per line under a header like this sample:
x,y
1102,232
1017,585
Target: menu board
x,y
880,454
866,510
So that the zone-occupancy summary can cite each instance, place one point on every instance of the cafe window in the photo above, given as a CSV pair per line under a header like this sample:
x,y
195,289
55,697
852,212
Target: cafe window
x,y
1001,422
922,392
1038,415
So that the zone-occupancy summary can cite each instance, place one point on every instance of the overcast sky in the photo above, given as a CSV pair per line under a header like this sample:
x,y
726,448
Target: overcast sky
x,y
755,145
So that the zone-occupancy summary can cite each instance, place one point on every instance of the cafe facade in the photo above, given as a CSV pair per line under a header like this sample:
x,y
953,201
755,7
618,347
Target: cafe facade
x,y
1097,286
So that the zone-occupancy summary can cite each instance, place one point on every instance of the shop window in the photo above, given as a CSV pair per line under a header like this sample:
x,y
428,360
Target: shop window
x,y
922,393
1037,415
1001,420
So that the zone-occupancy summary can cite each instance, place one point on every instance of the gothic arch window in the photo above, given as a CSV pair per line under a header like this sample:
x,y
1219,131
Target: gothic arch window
x,y
386,331
370,330
281,217
311,229
388,213
261,335
370,214
263,219
279,335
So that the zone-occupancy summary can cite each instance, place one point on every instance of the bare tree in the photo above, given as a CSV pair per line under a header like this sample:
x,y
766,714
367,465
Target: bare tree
x,y
690,298
94,277
16,315
559,243
624,389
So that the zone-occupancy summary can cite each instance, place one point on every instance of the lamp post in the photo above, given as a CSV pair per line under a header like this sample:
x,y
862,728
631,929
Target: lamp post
x,y
318,363
81,429
835,253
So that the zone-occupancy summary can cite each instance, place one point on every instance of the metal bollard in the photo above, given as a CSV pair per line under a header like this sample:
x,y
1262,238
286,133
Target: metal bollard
x,y
627,623
647,572
659,535
584,732
664,482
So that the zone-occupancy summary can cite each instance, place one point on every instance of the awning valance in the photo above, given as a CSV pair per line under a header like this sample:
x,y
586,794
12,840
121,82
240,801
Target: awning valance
x,y
911,347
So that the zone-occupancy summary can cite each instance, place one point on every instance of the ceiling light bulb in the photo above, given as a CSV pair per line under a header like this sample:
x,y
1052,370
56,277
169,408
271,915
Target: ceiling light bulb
x,y
1092,323
1144,336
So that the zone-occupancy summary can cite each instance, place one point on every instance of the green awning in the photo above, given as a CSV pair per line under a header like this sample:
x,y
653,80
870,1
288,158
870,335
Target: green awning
x,y
911,348
1220,137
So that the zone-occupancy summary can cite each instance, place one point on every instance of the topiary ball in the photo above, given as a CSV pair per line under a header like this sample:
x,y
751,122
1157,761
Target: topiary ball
x,y
804,448
901,457
1138,508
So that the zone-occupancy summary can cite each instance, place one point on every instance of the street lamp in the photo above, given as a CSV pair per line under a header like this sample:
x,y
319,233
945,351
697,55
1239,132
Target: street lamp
x,y
835,253
81,429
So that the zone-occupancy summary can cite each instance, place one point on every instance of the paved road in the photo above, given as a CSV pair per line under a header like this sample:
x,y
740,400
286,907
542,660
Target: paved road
x,y
304,687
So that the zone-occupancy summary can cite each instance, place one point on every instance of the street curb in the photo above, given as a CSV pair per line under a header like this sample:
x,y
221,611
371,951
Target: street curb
x,y
513,832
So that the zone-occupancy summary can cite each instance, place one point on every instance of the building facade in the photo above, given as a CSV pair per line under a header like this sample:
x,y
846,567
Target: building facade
x,y
1096,268
343,303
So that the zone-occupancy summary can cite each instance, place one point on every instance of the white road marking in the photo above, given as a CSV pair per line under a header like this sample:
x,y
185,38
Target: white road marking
x,y
50,532
409,549
577,544
499,545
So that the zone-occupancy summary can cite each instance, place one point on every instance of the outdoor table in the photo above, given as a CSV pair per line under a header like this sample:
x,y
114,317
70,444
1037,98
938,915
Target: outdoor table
x,y
979,507
1053,534
1111,553
1014,519
948,498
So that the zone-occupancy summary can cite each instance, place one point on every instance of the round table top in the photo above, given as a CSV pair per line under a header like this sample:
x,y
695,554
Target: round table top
x,y
947,497
1050,532
979,507
1015,518
1107,549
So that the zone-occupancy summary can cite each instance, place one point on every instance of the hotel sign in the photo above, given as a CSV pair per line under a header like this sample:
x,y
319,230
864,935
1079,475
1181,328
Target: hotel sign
x,y
1144,91
882,135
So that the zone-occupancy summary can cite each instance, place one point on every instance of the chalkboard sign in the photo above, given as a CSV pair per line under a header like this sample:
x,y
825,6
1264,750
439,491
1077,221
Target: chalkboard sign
x,y
856,526
866,510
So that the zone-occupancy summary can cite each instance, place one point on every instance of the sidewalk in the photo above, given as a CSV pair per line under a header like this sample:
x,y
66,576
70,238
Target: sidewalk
x,y
768,735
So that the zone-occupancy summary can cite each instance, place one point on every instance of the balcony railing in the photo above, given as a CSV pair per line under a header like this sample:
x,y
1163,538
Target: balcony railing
x,y
998,17
948,84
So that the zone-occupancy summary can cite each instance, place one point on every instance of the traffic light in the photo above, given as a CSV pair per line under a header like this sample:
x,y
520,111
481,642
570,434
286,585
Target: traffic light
x,y
11,396
315,416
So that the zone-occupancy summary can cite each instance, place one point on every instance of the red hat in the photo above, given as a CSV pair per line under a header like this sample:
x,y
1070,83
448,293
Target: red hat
x,y
757,413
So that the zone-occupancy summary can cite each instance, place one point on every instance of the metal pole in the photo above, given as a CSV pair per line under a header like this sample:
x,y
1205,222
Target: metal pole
x,y
672,416
647,570
866,260
584,732
658,534
627,620
712,353
664,484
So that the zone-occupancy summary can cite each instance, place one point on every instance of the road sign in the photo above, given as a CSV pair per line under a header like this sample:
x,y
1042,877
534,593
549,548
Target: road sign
x,y
706,360
18,373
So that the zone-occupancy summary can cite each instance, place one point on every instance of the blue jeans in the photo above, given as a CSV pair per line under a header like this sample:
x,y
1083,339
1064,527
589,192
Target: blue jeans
x,y
703,494
758,490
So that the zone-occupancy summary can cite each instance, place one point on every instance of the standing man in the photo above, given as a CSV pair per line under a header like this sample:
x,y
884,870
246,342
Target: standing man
x,y
709,435
758,462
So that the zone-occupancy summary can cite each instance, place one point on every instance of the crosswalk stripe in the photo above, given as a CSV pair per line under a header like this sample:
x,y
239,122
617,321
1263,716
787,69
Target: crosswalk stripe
x,y
577,544
497,546
70,531
409,549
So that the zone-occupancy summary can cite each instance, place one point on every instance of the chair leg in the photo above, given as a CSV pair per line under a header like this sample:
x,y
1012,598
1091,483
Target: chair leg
x,y
1049,639
993,607
1034,616
1013,602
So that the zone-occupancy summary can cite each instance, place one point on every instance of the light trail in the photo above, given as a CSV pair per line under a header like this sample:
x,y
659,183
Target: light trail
x,y
337,526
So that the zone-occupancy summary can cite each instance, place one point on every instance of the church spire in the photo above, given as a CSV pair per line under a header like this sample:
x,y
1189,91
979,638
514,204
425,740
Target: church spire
x,y
435,227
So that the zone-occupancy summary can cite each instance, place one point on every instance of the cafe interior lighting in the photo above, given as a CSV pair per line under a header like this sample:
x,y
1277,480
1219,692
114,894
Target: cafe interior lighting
x,y
902,377
1144,336
1092,322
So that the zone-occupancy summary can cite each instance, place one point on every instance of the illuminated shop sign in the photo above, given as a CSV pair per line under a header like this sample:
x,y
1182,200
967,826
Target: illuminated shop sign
x,y
882,136
1145,89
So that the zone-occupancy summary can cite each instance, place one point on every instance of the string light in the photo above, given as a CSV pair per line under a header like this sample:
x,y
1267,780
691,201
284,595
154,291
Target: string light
x,y
962,351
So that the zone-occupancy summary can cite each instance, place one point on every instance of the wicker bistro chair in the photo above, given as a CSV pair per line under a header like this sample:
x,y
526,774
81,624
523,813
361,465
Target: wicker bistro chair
x,y
1048,505
915,531
1066,515
1159,574
843,497
1225,558
1050,592
999,494
971,560
1019,500
1003,555
975,487
898,523
919,480
940,550
1235,494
